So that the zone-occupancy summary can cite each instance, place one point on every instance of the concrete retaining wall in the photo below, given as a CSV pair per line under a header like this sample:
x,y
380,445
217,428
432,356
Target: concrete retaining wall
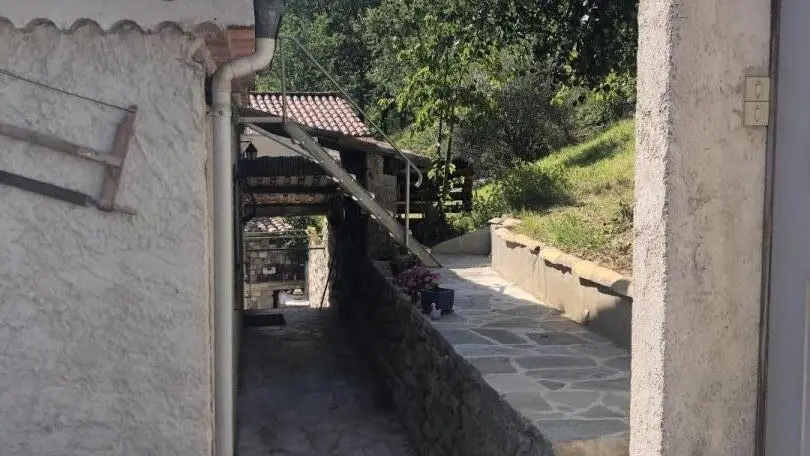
x,y
473,243
444,404
597,297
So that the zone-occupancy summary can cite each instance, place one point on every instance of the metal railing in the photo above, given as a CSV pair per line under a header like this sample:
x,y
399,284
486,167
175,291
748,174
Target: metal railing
x,y
409,166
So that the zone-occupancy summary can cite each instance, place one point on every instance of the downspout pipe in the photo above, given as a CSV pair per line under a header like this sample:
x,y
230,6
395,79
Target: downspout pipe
x,y
267,14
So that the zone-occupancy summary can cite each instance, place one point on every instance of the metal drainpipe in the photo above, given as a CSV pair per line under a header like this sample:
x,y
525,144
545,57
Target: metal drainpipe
x,y
267,23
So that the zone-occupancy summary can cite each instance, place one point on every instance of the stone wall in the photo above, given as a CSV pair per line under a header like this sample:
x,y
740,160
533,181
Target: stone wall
x,y
269,269
275,258
447,408
596,297
105,318
320,255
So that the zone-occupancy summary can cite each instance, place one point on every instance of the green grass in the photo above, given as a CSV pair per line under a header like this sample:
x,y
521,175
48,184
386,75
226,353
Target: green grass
x,y
593,218
419,141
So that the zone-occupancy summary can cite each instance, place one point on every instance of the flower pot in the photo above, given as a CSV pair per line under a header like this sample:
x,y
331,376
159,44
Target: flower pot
x,y
443,297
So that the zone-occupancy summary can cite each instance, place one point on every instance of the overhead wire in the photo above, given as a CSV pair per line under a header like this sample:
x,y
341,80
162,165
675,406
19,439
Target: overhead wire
x,y
63,91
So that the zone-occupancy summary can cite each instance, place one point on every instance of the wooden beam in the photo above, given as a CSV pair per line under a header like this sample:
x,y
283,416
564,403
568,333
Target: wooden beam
x,y
302,189
287,210
112,175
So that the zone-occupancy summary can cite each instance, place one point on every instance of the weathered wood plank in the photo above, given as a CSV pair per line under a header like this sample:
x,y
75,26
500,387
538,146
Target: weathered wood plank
x,y
112,175
58,144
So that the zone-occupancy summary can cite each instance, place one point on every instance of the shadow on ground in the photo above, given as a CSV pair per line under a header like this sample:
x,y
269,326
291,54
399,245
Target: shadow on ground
x,y
305,390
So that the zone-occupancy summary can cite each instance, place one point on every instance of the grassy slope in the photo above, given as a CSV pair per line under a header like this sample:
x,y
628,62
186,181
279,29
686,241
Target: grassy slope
x,y
597,224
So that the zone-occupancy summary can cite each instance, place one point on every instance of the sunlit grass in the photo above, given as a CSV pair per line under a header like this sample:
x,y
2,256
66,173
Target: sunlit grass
x,y
596,222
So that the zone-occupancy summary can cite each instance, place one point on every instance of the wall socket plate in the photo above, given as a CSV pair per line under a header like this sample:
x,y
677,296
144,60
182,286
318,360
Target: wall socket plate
x,y
757,113
757,101
757,88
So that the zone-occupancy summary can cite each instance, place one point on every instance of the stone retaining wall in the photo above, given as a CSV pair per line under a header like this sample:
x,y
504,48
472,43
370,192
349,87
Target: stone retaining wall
x,y
447,408
596,297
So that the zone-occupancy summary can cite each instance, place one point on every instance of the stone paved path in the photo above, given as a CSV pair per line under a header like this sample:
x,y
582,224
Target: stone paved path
x,y
306,392
573,384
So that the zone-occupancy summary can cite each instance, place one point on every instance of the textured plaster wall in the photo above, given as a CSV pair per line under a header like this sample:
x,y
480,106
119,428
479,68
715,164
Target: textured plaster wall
x,y
698,224
147,13
105,339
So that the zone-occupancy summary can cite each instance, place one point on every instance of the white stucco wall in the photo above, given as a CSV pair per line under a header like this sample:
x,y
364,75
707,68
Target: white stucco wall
x,y
698,223
105,340
146,13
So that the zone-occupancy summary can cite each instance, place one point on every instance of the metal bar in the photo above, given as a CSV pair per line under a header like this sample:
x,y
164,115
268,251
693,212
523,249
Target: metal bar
x,y
45,189
249,119
58,144
283,83
57,89
112,177
407,208
56,192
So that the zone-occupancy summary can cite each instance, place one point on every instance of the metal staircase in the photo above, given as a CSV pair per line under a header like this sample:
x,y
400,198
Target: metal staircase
x,y
357,192
346,181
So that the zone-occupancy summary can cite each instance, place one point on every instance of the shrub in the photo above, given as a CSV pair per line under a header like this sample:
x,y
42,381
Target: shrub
x,y
535,187
588,112
488,203
522,126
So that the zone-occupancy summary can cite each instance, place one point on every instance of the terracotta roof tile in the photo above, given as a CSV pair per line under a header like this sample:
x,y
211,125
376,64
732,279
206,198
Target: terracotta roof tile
x,y
268,225
325,111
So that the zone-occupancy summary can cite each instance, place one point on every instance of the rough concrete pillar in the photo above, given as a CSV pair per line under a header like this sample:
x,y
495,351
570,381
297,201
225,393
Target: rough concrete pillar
x,y
698,225
384,188
318,269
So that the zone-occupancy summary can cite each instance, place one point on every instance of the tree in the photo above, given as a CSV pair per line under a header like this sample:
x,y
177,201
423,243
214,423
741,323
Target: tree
x,y
330,30
587,40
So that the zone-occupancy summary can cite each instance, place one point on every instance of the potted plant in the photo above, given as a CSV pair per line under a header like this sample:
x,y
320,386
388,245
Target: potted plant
x,y
442,297
418,280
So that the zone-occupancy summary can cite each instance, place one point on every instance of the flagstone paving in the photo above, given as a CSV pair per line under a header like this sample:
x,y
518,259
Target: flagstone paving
x,y
574,385
306,391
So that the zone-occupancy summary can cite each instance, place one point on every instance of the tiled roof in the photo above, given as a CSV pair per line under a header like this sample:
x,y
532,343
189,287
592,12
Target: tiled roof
x,y
321,110
268,225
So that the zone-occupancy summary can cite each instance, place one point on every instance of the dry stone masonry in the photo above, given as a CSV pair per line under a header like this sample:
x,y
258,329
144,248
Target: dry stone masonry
x,y
504,375
269,268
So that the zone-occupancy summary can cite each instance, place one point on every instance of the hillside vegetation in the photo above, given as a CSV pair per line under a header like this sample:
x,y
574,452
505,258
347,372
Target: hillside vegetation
x,y
502,86
578,199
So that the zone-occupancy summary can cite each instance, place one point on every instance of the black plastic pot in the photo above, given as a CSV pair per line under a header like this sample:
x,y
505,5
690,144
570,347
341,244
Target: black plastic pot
x,y
443,297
